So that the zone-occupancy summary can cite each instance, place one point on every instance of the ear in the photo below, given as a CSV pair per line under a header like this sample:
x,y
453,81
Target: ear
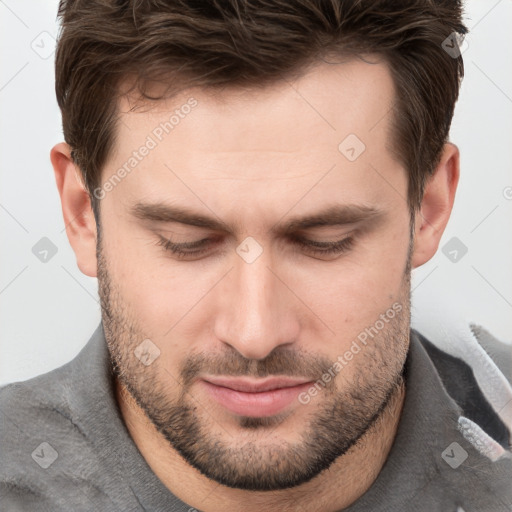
x,y
436,206
76,208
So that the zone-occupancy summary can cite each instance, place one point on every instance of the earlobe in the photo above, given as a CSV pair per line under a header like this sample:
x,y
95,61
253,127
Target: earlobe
x,y
76,209
436,206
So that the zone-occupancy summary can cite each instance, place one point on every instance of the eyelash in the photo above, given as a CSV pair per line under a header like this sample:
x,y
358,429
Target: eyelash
x,y
339,246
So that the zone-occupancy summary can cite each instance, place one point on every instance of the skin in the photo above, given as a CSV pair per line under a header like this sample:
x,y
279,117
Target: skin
x,y
254,158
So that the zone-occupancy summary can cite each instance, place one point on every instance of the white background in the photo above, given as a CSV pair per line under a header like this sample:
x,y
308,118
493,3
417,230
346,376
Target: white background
x,y
49,310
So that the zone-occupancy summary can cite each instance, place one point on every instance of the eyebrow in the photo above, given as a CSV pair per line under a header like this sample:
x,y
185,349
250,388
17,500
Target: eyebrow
x,y
336,215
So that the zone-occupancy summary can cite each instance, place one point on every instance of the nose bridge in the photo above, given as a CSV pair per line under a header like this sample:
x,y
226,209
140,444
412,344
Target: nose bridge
x,y
254,319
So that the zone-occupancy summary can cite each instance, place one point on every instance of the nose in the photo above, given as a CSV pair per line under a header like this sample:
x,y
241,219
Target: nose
x,y
256,310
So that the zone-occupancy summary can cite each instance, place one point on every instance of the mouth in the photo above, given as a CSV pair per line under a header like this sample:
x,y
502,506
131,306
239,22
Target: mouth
x,y
254,397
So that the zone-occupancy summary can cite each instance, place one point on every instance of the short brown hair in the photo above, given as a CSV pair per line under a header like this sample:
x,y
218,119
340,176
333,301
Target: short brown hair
x,y
248,43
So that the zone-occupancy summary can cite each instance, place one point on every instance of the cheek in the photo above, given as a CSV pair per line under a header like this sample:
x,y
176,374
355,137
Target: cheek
x,y
149,286
350,294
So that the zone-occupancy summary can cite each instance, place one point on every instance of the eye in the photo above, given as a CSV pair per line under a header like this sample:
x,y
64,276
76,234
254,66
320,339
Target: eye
x,y
184,249
325,248
199,247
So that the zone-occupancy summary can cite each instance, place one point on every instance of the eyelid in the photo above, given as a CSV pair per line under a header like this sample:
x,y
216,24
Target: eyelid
x,y
326,248
316,250
185,245
293,238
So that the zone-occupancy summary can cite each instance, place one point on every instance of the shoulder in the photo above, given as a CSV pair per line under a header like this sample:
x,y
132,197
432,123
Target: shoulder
x,y
27,407
62,439
476,371
497,350
37,428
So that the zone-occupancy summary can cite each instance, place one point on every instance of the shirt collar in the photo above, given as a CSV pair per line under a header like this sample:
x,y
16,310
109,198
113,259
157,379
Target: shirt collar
x,y
427,426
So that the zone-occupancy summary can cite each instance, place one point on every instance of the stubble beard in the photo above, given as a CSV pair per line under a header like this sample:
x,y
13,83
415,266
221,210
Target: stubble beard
x,y
339,418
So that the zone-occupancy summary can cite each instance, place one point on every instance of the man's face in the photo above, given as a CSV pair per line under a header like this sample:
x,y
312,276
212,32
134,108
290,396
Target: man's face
x,y
247,312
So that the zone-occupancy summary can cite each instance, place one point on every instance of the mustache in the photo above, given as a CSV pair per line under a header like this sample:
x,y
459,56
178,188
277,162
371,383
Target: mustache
x,y
281,361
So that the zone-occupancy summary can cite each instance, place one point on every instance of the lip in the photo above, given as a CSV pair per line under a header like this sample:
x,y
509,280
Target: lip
x,y
254,397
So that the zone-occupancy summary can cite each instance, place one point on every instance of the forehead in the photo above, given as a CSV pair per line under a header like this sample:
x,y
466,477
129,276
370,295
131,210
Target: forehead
x,y
284,136
348,97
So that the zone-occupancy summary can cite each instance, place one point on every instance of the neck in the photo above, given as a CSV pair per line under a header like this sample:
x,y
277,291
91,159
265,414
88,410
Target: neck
x,y
348,478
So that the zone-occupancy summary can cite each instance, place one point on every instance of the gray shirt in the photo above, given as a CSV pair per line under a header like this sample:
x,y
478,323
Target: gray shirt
x,y
64,445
